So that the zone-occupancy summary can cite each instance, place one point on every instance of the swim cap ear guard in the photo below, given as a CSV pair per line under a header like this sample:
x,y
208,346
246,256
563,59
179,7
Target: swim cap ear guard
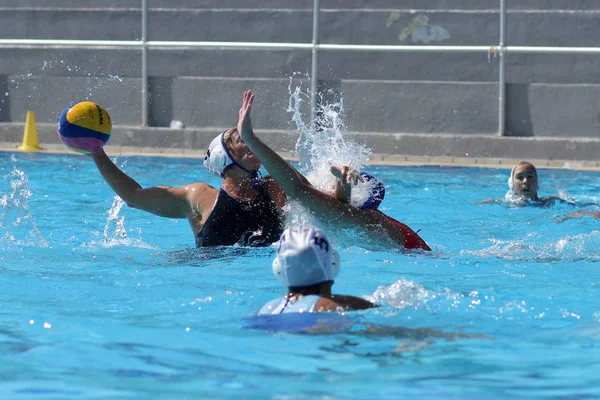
x,y
367,194
305,258
511,183
218,158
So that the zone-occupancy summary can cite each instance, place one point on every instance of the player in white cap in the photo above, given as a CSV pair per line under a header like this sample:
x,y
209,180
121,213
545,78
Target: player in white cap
x,y
306,264
245,210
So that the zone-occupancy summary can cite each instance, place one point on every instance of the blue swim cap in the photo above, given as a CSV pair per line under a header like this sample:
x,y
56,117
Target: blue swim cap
x,y
367,194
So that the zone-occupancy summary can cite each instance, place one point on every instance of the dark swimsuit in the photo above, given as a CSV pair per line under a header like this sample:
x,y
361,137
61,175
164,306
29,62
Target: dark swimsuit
x,y
258,222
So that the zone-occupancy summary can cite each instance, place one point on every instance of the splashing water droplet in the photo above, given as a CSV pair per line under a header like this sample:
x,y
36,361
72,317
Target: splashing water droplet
x,y
14,210
320,148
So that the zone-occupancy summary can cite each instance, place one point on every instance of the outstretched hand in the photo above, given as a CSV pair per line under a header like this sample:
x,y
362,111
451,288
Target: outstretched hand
x,y
346,174
244,125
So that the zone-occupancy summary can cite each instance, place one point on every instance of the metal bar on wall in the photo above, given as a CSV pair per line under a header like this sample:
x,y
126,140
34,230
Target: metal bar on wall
x,y
145,102
172,45
314,73
502,73
315,47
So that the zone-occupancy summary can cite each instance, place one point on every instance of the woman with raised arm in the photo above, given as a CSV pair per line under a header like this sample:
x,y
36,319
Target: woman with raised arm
x,y
245,210
374,229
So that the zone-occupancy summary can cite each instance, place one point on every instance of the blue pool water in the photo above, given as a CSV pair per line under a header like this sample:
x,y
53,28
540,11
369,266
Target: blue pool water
x,y
100,301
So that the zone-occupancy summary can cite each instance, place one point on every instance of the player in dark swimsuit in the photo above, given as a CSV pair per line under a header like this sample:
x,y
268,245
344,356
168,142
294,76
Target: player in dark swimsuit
x,y
257,222
244,210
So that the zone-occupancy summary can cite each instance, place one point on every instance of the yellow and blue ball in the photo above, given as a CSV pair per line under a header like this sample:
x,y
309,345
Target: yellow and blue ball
x,y
84,127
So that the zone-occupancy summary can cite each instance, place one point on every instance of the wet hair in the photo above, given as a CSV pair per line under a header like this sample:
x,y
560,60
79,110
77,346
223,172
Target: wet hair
x,y
227,136
522,163
308,290
228,142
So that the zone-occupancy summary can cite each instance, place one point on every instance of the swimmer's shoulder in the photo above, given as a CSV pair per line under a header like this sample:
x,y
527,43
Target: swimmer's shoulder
x,y
275,191
340,302
268,182
200,194
325,304
199,189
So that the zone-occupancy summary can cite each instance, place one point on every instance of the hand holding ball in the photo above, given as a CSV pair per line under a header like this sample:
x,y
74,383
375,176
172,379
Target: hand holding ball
x,y
84,127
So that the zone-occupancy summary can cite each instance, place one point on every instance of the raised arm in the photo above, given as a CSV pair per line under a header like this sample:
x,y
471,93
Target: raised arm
x,y
295,185
163,201
291,181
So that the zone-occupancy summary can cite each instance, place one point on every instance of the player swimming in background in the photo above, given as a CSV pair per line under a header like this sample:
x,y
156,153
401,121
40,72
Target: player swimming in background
x,y
523,185
372,228
244,210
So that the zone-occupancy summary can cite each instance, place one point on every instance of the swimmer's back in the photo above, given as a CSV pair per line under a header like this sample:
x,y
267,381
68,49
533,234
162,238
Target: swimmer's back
x,y
305,304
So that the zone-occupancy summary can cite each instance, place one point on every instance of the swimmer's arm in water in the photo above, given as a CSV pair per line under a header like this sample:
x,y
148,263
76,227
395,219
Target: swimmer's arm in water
x,y
163,201
556,198
577,215
290,180
486,201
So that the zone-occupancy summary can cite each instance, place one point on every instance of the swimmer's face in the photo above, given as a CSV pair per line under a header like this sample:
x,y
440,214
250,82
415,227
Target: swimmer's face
x,y
525,181
241,152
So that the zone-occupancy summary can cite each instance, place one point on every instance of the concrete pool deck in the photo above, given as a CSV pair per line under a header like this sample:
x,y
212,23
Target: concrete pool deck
x,y
472,150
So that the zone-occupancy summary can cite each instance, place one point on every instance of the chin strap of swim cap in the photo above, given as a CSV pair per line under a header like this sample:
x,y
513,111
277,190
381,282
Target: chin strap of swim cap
x,y
254,174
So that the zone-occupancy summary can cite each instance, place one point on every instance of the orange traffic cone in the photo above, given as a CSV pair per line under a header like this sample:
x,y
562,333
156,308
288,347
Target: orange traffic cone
x,y
30,136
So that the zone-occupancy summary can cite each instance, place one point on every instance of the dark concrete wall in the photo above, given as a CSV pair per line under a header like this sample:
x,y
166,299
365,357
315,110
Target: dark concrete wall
x,y
547,95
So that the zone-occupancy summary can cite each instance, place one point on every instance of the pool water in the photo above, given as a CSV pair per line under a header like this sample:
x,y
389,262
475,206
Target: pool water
x,y
103,301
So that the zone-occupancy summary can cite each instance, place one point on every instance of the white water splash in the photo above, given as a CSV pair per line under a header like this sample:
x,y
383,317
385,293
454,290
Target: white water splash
x,y
535,247
15,214
114,230
407,294
115,233
323,145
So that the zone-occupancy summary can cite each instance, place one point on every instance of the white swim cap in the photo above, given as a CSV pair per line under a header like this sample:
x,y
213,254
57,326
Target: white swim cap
x,y
305,258
217,158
